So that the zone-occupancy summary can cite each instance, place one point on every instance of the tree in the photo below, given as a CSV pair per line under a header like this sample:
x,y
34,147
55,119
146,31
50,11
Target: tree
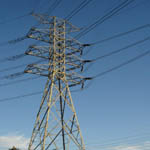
x,y
14,148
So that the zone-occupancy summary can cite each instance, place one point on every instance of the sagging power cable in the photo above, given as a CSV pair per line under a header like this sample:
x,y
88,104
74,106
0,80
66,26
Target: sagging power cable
x,y
114,68
118,50
122,49
14,41
20,66
113,37
100,20
98,75
12,58
122,64
19,81
21,96
53,6
77,9
16,18
114,52
121,34
13,75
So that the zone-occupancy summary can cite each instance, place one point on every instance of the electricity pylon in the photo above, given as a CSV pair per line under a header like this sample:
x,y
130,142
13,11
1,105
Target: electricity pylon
x,y
56,126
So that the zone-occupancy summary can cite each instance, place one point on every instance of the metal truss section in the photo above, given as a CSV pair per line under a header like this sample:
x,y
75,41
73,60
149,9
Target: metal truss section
x,y
60,49
56,126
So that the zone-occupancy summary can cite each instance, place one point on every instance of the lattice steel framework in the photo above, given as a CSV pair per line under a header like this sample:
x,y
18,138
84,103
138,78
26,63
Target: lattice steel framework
x,y
56,126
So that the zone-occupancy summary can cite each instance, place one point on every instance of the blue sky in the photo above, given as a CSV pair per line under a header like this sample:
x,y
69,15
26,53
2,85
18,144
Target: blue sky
x,y
115,105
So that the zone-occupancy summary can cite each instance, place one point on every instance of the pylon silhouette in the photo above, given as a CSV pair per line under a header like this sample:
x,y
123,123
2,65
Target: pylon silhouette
x,y
56,126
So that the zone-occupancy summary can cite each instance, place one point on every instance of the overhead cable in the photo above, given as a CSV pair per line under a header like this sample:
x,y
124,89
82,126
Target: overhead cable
x,y
122,64
77,9
122,49
98,75
121,34
15,18
13,75
12,58
53,6
18,66
105,17
14,41
19,81
20,96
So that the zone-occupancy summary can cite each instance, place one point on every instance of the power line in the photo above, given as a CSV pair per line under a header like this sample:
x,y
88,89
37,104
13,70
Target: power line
x,y
19,81
117,140
16,57
18,66
12,68
97,42
53,6
127,10
118,66
122,64
116,51
12,58
77,9
48,3
13,76
121,34
122,49
36,4
17,40
105,17
98,75
114,37
16,18
20,96
127,145
125,141
14,41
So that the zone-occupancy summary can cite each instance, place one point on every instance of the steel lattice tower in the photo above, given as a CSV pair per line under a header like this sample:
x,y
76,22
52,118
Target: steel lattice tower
x,y
56,126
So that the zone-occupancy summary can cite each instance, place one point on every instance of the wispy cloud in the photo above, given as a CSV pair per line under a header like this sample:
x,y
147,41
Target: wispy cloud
x,y
127,148
135,146
8,141
141,146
